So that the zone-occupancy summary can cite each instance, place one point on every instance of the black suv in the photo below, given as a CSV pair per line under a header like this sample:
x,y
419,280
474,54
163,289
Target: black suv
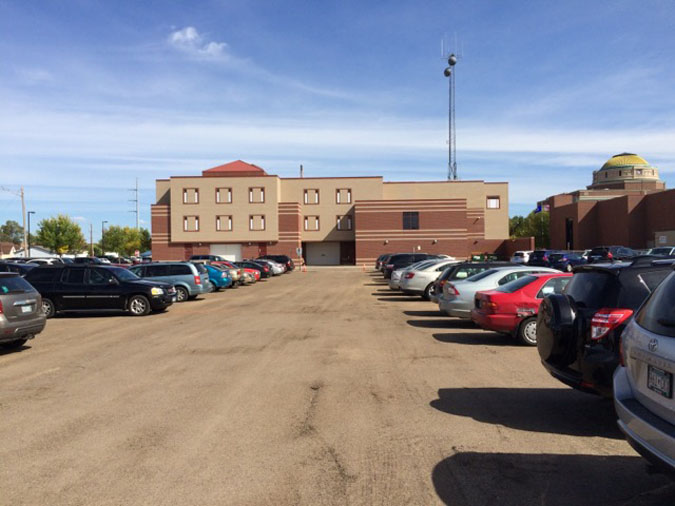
x,y
578,331
97,287
281,259
610,253
401,260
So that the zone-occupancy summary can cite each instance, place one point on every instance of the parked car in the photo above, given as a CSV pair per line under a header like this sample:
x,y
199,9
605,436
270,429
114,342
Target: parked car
x,y
276,268
458,297
397,275
219,278
662,250
378,262
610,253
98,287
401,260
461,271
21,269
512,308
262,269
88,260
643,387
21,316
282,259
541,257
578,331
565,260
43,261
184,276
520,257
207,258
383,262
419,279
248,277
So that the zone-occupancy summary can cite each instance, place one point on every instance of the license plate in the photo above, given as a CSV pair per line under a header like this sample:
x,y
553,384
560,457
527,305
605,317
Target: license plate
x,y
26,309
660,381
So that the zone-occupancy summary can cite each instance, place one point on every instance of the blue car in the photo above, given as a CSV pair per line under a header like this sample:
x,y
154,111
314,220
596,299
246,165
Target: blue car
x,y
218,277
565,261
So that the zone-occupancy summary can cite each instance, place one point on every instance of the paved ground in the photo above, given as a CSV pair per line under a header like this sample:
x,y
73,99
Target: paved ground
x,y
313,388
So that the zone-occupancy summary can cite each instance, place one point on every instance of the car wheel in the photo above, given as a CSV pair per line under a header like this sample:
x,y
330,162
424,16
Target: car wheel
x,y
569,268
527,332
214,287
427,292
18,343
139,305
48,308
181,294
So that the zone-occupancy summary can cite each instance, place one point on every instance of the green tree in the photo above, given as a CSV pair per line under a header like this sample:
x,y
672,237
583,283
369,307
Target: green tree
x,y
533,225
12,232
146,240
61,234
125,240
516,225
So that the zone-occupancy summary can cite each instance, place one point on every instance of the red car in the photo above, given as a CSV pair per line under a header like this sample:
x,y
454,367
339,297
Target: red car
x,y
254,272
512,308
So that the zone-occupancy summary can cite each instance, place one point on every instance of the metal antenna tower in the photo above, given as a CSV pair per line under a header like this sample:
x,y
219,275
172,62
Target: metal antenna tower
x,y
450,73
135,200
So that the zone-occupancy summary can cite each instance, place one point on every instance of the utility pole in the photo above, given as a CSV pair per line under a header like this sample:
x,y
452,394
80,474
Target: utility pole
x,y
29,213
135,200
91,239
452,136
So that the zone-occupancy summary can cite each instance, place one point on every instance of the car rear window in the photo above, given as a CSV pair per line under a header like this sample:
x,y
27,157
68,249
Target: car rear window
x,y
538,254
556,256
658,313
481,275
14,284
515,285
519,254
73,276
598,251
467,271
593,289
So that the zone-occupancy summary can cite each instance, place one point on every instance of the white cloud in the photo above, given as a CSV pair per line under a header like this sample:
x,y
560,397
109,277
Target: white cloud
x,y
189,40
79,218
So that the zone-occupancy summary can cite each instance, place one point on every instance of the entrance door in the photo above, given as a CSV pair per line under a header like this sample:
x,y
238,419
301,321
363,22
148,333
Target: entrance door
x,y
569,234
347,253
262,249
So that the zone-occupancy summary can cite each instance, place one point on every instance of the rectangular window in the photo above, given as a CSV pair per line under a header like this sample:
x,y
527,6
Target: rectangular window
x,y
223,195
191,223
190,195
344,222
256,222
256,195
411,220
311,196
223,223
343,196
493,203
311,223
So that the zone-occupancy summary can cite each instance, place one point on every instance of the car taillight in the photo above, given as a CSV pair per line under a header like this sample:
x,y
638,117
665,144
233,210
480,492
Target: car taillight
x,y
545,258
442,282
1,309
607,319
452,289
198,280
390,266
267,269
223,275
409,275
489,305
609,255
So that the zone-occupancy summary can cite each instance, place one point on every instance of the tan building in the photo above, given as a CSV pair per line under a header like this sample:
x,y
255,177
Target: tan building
x,y
237,210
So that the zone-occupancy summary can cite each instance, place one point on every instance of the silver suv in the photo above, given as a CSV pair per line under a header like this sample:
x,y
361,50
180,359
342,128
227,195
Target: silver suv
x,y
643,387
21,316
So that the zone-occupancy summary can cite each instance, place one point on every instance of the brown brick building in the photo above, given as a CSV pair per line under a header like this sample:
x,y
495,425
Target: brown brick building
x,y
627,205
237,210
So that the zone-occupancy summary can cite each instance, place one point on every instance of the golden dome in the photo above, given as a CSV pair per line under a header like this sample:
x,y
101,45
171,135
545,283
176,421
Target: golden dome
x,y
625,160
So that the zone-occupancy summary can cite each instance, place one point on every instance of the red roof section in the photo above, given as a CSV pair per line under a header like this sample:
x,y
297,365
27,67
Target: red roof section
x,y
238,167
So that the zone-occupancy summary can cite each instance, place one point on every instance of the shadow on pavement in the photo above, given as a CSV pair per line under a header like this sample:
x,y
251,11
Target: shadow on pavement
x,y
477,338
398,298
552,410
434,314
444,323
9,350
519,479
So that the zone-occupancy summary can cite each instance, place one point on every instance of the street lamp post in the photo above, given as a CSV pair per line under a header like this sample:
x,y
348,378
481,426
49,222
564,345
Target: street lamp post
x,y
102,236
28,239
452,138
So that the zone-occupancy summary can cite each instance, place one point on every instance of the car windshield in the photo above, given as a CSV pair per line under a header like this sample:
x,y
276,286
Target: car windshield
x,y
516,284
661,251
14,284
123,274
481,275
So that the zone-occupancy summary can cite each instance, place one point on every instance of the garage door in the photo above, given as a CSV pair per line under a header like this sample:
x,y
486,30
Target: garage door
x,y
323,253
230,252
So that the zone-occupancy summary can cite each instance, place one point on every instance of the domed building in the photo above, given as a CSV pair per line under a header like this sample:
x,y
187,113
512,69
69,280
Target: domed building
x,y
626,205
627,171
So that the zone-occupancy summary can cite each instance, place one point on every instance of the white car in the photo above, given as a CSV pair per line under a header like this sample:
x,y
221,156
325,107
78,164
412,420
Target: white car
x,y
521,257
395,280
458,297
420,280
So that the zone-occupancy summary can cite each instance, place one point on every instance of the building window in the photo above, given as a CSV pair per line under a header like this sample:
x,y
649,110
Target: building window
x,y
256,222
343,196
223,223
190,223
493,202
256,195
411,221
344,222
311,196
190,195
311,223
223,195
638,172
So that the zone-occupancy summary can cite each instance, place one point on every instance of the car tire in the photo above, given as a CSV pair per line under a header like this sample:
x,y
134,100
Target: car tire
x,y
48,308
569,268
181,294
17,343
527,332
427,292
139,305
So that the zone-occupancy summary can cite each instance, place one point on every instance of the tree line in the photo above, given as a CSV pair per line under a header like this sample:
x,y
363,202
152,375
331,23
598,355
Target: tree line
x,y
62,235
533,225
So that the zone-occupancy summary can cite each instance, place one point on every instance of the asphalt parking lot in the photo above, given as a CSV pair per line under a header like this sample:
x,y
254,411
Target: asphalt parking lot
x,y
311,388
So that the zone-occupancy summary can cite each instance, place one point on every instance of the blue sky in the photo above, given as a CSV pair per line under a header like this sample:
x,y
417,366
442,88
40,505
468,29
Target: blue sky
x,y
94,94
